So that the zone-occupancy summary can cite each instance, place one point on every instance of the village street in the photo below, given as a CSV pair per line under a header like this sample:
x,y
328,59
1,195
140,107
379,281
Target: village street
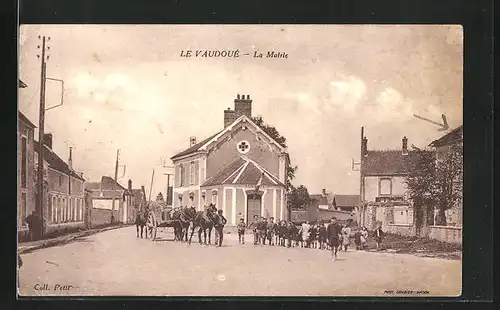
x,y
116,263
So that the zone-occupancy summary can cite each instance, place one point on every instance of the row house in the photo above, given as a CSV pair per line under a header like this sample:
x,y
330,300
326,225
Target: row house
x,y
26,177
64,193
111,202
241,169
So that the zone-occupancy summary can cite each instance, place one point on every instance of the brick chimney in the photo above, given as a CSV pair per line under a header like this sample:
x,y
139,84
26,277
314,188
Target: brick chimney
x,y
47,140
130,184
323,191
364,146
70,159
405,145
243,106
192,141
229,116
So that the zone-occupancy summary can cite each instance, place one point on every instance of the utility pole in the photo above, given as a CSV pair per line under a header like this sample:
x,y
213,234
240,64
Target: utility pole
x,y
168,187
168,180
116,178
40,203
151,187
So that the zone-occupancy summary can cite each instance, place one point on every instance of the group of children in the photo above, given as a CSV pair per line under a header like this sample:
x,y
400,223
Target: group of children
x,y
307,235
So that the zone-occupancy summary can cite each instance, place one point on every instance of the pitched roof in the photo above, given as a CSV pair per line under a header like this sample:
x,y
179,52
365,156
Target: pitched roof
x,y
452,136
92,185
346,200
24,119
200,145
55,162
387,162
194,148
243,171
322,200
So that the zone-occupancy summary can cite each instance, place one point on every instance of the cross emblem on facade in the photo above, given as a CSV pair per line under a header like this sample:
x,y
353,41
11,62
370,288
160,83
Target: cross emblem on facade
x,y
243,147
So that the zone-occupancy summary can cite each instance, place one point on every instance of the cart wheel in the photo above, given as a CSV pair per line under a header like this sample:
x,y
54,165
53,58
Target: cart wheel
x,y
152,225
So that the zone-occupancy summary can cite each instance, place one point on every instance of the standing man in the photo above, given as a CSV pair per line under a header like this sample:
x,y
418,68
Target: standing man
x,y
254,225
32,223
219,228
334,234
270,231
262,230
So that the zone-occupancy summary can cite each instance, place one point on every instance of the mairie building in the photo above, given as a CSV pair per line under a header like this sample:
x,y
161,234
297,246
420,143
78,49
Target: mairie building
x,y
240,169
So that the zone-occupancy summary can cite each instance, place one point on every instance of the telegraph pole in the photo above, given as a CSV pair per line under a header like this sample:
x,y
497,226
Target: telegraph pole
x,y
168,186
168,180
41,125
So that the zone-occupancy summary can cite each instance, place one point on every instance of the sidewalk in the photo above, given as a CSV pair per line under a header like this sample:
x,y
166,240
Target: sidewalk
x,y
25,247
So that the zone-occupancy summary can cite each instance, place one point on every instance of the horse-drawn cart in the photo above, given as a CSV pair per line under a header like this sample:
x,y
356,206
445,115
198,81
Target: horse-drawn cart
x,y
155,220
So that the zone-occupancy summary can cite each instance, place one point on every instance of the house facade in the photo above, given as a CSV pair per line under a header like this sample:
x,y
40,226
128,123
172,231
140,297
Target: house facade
x,y
382,180
64,195
442,147
104,195
26,174
240,168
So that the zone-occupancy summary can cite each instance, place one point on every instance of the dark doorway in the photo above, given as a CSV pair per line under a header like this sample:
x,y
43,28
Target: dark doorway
x,y
254,206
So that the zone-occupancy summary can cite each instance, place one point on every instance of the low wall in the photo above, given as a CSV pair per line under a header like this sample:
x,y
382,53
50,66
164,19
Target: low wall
x,y
71,226
449,234
400,229
102,216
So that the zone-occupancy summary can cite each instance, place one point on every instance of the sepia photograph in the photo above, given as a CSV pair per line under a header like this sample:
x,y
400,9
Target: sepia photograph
x,y
240,160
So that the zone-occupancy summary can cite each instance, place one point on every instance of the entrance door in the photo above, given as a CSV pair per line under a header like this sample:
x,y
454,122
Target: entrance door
x,y
254,207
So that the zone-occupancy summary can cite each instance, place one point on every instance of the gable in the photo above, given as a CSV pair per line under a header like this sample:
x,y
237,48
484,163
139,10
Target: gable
x,y
215,139
241,142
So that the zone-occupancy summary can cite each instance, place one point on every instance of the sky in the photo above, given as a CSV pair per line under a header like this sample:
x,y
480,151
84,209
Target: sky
x,y
127,87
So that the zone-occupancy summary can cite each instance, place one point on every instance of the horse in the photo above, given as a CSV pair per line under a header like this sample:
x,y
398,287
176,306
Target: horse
x,y
140,222
184,215
201,221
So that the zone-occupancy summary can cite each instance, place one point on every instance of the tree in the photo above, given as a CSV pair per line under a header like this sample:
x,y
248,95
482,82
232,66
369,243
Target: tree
x,y
448,180
436,182
420,185
298,197
159,197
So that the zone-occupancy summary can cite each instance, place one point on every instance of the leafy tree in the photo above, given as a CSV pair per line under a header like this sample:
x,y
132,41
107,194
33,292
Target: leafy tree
x,y
435,182
448,180
298,197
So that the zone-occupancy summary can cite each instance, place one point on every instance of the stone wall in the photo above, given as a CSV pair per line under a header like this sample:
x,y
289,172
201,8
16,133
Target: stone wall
x,y
400,229
449,234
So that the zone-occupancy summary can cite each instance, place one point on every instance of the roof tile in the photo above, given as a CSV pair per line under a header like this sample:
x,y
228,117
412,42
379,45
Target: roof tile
x,y
55,162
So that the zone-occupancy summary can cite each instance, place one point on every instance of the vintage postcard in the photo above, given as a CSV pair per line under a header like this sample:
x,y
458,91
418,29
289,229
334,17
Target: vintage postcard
x,y
240,160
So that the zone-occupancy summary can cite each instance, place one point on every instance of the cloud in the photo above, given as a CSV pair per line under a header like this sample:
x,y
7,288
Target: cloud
x,y
391,105
346,93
